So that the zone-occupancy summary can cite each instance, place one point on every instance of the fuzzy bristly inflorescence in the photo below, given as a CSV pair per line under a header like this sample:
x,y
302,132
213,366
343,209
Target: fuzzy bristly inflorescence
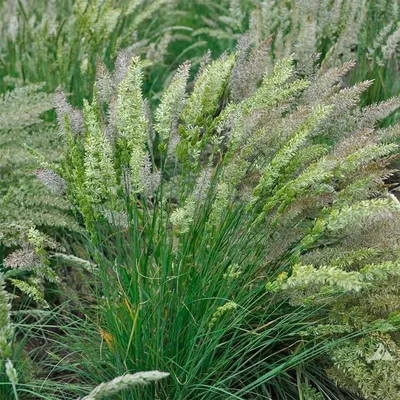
x,y
123,383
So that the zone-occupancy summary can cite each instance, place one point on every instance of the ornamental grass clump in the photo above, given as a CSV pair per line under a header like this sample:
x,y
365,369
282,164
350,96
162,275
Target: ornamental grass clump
x,y
246,240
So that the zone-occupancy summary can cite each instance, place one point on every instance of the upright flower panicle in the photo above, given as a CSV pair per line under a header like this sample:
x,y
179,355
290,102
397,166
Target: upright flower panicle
x,y
284,156
208,88
63,109
123,383
172,103
100,178
52,180
132,124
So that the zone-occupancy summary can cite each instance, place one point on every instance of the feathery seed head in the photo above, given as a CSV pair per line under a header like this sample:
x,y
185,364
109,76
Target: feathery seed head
x,y
124,382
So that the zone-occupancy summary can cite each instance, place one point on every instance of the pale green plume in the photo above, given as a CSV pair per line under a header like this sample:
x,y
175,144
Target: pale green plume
x,y
124,382
132,123
100,179
172,103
